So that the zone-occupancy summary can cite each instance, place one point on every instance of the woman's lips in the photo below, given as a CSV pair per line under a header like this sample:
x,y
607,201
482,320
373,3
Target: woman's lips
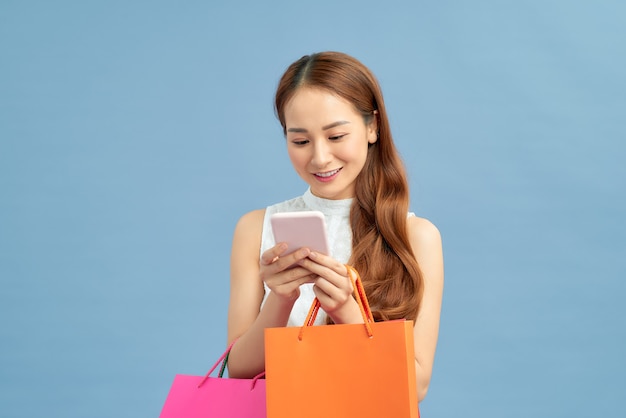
x,y
327,175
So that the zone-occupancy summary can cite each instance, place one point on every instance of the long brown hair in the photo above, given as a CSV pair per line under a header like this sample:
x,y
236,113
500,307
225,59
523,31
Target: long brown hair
x,y
381,250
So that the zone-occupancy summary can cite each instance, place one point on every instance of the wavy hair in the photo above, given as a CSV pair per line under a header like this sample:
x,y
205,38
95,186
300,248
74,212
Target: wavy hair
x,y
381,250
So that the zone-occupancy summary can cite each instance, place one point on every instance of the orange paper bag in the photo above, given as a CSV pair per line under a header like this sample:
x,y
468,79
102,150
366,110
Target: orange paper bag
x,y
353,370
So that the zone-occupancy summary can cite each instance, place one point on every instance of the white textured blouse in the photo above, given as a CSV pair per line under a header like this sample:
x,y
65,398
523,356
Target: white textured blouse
x,y
339,234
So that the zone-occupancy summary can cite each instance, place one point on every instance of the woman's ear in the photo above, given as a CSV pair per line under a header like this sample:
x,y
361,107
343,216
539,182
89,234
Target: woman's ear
x,y
372,128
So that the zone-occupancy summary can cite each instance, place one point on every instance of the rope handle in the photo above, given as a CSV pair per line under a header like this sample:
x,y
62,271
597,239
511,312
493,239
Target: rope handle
x,y
224,360
361,298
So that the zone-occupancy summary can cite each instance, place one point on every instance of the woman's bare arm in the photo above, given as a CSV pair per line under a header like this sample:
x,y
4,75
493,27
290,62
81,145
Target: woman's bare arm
x,y
426,244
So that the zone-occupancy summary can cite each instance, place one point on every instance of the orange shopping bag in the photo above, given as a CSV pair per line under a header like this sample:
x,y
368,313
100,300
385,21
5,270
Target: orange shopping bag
x,y
351,370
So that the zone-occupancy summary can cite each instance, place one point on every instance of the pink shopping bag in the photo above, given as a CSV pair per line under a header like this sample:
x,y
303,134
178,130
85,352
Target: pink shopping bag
x,y
215,397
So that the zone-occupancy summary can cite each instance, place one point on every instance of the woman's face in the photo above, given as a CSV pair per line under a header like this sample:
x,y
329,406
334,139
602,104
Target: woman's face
x,y
327,141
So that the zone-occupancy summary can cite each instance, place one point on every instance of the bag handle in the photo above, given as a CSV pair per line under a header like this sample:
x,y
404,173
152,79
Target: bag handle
x,y
224,360
360,297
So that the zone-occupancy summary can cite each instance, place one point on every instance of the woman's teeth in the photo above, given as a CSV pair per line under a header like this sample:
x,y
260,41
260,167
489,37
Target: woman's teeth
x,y
328,173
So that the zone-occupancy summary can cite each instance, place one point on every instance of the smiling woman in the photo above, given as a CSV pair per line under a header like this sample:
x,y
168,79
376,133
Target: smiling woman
x,y
339,141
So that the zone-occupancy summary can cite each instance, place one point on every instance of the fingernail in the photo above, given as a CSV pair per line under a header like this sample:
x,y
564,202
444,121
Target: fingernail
x,y
312,255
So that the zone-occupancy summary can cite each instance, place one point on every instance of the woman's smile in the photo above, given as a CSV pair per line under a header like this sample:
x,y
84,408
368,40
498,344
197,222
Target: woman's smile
x,y
327,175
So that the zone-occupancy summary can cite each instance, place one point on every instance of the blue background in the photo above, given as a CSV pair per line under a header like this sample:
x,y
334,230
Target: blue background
x,y
133,135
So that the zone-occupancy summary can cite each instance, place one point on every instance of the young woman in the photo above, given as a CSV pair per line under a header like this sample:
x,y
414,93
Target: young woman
x,y
339,141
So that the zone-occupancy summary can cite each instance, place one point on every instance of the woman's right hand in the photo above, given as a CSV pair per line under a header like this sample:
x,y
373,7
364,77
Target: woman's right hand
x,y
282,274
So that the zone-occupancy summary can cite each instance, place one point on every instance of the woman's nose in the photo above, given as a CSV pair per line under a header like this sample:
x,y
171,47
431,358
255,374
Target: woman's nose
x,y
321,154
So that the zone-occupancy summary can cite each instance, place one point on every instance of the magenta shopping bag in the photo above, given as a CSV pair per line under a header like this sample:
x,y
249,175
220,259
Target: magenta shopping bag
x,y
215,397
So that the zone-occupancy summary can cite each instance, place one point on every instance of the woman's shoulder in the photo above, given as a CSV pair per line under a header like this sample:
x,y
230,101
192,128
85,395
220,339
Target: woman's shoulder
x,y
252,228
422,232
251,221
253,215
428,250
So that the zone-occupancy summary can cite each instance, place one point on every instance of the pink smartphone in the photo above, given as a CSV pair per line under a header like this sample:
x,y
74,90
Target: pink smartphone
x,y
300,229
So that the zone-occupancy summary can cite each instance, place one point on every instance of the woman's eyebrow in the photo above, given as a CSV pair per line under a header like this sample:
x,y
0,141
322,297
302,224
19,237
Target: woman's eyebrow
x,y
334,124
324,128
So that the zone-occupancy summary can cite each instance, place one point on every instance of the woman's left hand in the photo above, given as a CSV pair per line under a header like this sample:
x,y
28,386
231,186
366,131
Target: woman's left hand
x,y
333,288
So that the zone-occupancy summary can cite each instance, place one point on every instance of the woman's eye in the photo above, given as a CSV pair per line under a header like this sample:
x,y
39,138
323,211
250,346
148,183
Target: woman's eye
x,y
300,141
336,137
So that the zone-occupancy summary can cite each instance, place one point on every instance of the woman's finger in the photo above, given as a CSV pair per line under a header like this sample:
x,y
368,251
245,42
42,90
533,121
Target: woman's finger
x,y
328,268
271,255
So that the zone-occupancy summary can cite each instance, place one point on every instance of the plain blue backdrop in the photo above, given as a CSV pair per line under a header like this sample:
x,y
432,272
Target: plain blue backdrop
x,y
134,134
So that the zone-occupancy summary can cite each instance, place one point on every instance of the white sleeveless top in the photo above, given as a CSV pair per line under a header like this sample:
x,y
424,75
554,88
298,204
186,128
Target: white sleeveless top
x,y
339,233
